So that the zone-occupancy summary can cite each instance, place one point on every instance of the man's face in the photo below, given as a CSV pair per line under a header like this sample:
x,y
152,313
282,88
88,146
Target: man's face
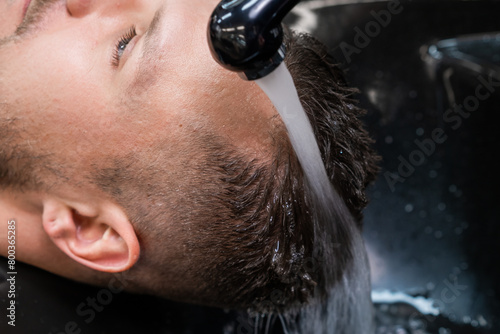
x,y
92,83
106,77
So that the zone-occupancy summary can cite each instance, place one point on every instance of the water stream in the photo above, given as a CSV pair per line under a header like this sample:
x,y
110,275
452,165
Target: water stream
x,y
349,308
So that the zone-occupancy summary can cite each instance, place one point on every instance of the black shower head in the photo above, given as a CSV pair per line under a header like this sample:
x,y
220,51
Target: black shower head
x,y
246,36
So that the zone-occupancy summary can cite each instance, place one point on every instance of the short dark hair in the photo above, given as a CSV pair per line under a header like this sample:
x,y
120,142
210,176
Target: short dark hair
x,y
257,223
253,218
11,172
345,145
286,260
20,165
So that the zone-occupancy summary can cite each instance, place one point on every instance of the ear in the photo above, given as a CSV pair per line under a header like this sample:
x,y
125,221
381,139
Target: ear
x,y
99,236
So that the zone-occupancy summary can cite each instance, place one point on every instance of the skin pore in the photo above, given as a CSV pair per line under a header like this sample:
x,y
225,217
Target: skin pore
x,y
90,86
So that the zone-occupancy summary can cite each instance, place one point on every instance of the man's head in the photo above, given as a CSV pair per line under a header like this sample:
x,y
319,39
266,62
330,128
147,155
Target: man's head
x,y
138,153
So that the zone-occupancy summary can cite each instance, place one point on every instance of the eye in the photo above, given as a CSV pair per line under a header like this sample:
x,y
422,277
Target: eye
x,y
121,46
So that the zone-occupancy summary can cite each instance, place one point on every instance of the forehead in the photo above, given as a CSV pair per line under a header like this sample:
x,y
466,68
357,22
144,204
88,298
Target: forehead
x,y
8,23
8,17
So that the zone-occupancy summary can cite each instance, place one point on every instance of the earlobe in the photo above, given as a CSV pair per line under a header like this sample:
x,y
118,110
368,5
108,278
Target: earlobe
x,y
101,238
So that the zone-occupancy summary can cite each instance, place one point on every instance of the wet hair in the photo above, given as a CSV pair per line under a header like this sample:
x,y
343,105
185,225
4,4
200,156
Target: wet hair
x,y
252,237
275,262
330,104
253,233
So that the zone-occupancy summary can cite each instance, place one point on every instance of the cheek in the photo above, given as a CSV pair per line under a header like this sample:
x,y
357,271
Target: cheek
x,y
61,91
199,93
44,73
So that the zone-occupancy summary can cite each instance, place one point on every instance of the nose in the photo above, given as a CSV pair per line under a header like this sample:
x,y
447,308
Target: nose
x,y
80,8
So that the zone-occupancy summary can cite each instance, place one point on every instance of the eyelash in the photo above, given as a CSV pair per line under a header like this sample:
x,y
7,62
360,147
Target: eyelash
x,y
121,45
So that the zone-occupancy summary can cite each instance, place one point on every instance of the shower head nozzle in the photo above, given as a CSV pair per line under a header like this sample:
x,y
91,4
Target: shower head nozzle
x,y
246,36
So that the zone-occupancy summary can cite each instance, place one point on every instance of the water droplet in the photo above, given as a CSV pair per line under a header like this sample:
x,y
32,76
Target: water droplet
x,y
443,330
432,50
438,234
428,230
389,139
379,74
419,116
458,230
433,174
452,188
276,256
420,132
464,265
430,286
409,207
413,94
441,206
341,152
474,323
422,214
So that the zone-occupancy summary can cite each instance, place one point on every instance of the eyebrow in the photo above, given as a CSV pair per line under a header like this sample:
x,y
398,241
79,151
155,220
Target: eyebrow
x,y
155,25
34,16
31,21
5,40
146,74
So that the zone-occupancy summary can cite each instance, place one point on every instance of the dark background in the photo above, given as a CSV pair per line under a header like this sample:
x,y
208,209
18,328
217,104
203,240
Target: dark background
x,y
437,233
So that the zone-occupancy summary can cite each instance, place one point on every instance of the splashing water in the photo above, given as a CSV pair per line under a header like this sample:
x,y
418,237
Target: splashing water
x,y
348,308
